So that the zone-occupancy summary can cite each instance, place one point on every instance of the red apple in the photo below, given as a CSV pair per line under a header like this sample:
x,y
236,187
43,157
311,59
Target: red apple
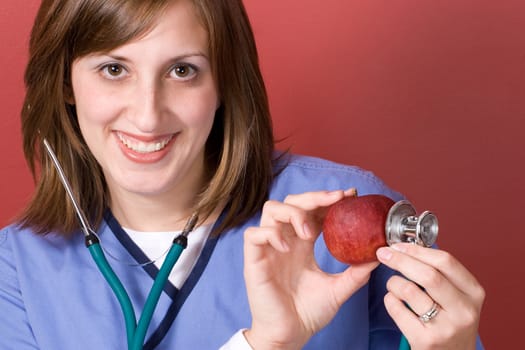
x,y
354,227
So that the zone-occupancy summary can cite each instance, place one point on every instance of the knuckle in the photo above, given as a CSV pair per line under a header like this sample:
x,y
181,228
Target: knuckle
x,y
445,260
300,214
289,198
469,317
392,282
393,308
268,205
249,232
297,216
481,295
409,290
432,279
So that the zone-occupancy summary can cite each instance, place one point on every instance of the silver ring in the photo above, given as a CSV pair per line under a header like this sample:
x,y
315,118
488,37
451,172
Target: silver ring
x,y
430,314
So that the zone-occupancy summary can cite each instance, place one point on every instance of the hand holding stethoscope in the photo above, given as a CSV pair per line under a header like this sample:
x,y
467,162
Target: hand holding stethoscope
x,y
445,315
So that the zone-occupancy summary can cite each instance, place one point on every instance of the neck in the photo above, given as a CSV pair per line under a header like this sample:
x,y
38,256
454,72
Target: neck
x,y
151,213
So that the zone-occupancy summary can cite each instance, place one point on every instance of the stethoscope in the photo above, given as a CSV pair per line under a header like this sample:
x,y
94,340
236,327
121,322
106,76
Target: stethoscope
x,y
402,225
136,333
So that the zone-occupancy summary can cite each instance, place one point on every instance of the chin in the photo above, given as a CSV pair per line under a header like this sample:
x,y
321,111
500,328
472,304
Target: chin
x,y
144,185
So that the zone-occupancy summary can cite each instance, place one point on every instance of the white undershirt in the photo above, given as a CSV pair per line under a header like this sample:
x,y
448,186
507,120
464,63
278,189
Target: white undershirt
x,y
155,245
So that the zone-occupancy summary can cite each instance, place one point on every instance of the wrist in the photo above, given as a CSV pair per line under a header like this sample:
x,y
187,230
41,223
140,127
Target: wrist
x,y
260,341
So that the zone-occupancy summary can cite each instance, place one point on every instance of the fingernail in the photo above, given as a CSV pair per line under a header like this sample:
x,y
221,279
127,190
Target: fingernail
x,y
351,192
384,254
306,231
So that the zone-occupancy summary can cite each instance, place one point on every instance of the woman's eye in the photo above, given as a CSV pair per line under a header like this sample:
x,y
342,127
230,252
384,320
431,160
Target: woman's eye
x,y
113,70
184,71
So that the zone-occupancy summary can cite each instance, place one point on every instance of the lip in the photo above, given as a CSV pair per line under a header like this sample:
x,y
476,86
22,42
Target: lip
x,y
146,156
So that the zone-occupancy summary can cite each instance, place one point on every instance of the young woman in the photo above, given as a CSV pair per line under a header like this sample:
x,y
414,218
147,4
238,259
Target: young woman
x,y
157,113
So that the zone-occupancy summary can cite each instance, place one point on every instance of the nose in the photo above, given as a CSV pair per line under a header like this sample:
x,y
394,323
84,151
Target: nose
x,y
147,107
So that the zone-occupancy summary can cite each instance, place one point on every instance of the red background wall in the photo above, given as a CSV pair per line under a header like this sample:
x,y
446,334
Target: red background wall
x,y
427,94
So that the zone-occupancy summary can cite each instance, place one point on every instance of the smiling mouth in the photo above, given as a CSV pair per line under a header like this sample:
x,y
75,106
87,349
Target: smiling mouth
x,y
143,146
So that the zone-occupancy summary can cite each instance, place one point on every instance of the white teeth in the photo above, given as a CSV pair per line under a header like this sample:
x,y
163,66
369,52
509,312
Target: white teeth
x,y
144,147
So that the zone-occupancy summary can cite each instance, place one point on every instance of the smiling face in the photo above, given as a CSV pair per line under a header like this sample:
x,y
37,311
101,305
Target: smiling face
x,y
146,108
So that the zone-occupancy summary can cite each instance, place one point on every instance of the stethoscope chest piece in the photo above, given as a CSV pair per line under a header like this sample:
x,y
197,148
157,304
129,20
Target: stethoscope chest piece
x,y
403,225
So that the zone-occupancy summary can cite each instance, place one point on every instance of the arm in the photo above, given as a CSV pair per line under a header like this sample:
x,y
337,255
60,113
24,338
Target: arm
x,y
14,326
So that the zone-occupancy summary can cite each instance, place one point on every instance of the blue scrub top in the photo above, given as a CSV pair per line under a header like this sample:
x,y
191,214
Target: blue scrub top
x,y
52,295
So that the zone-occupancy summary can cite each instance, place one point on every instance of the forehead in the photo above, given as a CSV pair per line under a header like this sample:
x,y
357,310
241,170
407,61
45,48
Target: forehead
x,y
179,25
104,28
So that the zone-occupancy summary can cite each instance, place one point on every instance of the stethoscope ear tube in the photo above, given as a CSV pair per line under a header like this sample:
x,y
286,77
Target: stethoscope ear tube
x,y
117,287
154,294
137,333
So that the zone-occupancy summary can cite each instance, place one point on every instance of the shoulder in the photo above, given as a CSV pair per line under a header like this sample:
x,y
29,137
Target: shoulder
x,y
14,324
7,270
15,235
298,173
21,248
10,294
14,239
10,237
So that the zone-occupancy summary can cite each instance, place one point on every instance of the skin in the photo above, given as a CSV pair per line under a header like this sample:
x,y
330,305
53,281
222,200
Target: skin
x,y
291,298
155,89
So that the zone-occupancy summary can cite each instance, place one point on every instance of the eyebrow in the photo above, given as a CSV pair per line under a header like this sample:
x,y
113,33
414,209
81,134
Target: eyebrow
x,y
176,58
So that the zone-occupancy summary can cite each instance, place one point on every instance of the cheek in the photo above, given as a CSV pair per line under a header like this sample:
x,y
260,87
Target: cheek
x,y
200,109
94,103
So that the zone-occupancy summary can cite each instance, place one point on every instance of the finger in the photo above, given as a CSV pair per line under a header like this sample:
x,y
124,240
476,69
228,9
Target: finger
x,y
317,203
435,283
417,299
349,281
275,213
314,200
261,237
351,192
405,319
447,265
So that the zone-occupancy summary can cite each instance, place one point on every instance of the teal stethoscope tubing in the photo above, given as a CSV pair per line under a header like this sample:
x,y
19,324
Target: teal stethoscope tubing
x,y
155,292
403,344
136,333
117,287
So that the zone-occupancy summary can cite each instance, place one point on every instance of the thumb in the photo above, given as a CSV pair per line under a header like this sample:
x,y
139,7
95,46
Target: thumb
x,y
351,280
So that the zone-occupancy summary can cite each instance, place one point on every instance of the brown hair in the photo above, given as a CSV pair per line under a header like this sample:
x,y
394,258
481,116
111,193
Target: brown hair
x,y
239,148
